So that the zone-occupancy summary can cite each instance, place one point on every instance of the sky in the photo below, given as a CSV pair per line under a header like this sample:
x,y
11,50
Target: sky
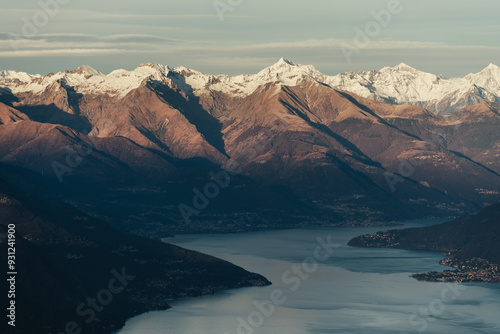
x,y
448,37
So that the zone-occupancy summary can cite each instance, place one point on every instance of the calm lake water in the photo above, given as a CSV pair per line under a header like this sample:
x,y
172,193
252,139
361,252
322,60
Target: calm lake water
x,y
354,290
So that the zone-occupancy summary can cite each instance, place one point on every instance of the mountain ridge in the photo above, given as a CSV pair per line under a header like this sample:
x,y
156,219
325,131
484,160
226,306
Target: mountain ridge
x,y
401,84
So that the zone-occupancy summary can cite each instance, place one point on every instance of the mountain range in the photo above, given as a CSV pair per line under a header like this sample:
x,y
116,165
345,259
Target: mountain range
x,y
401,84
137,148
86,158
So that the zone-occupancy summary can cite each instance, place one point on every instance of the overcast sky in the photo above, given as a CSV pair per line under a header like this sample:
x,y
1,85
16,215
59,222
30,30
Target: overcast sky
x,y
449,37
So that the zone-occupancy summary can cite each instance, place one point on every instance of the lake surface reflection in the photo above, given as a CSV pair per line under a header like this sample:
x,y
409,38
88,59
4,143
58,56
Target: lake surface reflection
x,y
355,290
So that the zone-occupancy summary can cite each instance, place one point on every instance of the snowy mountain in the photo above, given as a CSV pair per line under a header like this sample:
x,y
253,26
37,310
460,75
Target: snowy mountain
x,y
84,79
405,85
297,140
401,84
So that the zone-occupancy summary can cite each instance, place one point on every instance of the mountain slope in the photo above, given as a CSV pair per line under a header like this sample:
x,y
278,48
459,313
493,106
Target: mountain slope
x,y
65,256
473,236
298,148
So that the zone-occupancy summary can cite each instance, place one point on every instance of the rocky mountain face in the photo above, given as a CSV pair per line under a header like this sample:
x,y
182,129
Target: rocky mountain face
x,y
66,258
140,148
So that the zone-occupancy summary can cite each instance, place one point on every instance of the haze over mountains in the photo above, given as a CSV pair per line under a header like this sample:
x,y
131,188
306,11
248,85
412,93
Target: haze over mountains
x,y
307,148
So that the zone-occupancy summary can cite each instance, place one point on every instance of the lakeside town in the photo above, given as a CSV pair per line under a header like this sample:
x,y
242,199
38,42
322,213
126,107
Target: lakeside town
x,y
474,270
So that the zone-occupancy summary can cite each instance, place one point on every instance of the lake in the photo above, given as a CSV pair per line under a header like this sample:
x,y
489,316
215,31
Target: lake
x,y
320,289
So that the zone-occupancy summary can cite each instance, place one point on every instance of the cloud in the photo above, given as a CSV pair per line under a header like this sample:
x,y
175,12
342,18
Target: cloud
x,y
12,45
59,52
86,16
216,58
70,38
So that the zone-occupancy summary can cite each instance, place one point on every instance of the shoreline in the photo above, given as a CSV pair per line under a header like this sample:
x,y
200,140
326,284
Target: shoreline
x,y
474,270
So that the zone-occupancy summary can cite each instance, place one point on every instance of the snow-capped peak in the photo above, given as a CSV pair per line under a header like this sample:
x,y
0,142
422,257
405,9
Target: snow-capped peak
x,y
87,70
403,66
489,82
492,67
155,67
493,71
283,61
284,65
288,72
490,70
13,75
